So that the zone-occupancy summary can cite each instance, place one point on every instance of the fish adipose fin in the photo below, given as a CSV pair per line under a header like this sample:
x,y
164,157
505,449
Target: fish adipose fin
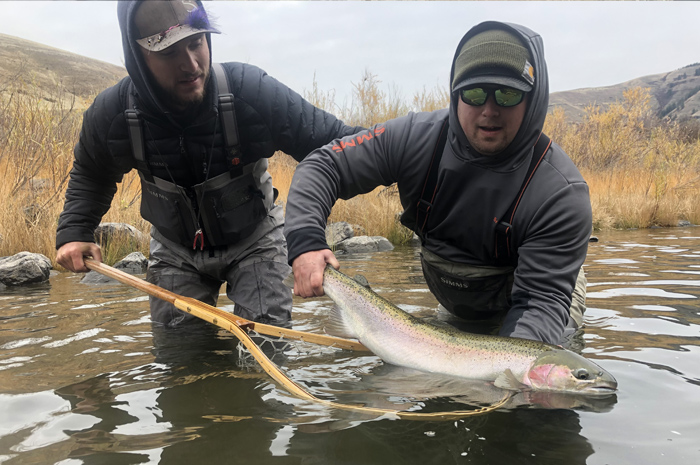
x,y
336,325
508,381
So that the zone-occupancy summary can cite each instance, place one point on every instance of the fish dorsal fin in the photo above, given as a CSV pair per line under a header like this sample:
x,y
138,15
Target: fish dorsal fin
x,y
508,381
337,326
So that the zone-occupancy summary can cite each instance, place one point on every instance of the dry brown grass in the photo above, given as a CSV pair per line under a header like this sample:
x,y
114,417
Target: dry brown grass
x,y
641,172
37,135
374,213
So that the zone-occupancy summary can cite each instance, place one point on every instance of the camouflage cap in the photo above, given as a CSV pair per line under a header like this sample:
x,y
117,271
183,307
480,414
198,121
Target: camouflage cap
x,y
160,24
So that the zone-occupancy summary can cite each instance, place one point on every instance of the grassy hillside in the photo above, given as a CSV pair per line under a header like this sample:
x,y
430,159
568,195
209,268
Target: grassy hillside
x,y
48,69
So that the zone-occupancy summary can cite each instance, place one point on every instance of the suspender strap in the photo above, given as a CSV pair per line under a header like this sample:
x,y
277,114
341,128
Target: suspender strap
x,y
228,123
425,203
136,137
504,228
228,119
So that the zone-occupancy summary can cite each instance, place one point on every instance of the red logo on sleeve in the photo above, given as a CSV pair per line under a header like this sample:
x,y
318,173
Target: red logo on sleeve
x,y
360,139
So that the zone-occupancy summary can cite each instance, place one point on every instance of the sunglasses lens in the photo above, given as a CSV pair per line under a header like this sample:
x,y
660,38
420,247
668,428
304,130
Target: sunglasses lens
x,y
507,97
475,96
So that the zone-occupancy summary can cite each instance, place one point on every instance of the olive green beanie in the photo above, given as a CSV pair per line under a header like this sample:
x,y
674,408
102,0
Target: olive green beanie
x,y
495,56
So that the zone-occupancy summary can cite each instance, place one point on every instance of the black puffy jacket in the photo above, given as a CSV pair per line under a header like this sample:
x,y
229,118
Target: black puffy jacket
x,y
270,117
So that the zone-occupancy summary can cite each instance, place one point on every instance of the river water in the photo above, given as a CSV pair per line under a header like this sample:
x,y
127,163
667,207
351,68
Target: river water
x,y
85,379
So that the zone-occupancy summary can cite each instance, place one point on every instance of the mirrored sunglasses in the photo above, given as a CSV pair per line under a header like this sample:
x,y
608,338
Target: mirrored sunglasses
x,y
503,96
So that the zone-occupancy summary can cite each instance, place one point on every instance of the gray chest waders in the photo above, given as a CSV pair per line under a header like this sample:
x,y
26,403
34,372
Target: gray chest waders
x,y
221,210
474,298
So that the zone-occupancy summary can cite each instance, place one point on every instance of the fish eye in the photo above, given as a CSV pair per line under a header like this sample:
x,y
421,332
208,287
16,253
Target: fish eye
x,y
581,373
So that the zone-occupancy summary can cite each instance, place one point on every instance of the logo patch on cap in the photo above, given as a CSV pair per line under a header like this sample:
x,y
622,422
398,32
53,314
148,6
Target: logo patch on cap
x,y
529,73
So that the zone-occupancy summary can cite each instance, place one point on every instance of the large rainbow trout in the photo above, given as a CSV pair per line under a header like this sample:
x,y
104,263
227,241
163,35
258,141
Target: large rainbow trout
x,y
402,339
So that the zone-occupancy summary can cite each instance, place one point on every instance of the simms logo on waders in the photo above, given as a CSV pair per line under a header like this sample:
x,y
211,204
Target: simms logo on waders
x,y
157,194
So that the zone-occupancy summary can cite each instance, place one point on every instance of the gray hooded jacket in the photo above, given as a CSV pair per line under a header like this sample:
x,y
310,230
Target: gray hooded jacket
x,y
551,226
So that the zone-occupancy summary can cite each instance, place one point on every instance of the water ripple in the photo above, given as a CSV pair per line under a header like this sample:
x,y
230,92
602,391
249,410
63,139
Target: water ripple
x,y
77,337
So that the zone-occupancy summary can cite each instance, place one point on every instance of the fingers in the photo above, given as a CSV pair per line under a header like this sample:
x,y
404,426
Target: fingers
x,y
308,272
331,260
71,255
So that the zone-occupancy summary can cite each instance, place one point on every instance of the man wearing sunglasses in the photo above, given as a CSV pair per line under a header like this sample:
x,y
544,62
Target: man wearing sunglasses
x,y
503,214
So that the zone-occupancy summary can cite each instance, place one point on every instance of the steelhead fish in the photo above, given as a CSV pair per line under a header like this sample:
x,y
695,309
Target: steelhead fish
x,y
401,339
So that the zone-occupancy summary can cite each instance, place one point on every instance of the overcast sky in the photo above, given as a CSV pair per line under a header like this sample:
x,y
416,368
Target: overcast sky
x,y
406,44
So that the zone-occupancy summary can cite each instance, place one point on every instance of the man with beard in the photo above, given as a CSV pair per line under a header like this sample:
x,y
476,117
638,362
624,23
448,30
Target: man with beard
x,y
200,140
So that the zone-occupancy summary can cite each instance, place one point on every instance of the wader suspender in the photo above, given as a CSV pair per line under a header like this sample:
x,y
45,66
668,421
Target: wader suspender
x,y
228,118
425,203
228,124
136,137
502,248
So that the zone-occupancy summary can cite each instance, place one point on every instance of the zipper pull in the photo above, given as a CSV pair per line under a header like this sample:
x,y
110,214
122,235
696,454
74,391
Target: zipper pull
x,y
182,145
198,237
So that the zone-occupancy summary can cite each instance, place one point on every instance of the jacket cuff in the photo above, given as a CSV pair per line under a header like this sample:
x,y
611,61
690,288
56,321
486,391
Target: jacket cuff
x,y
73,235
305,240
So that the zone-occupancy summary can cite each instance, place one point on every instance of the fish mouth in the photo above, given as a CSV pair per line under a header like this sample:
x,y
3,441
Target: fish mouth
x,y
599,390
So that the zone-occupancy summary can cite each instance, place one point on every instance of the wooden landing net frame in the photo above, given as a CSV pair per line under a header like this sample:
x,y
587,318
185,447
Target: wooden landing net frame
x,y
240,327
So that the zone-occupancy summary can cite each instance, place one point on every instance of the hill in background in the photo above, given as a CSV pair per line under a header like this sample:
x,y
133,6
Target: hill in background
x,y
675,94
49,68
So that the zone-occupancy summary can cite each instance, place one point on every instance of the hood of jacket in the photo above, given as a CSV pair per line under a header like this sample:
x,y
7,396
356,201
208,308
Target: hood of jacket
x,y
538,101
138,70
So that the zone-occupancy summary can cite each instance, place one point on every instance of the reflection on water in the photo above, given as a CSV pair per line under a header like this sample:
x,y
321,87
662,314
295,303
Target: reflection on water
x,y
84,378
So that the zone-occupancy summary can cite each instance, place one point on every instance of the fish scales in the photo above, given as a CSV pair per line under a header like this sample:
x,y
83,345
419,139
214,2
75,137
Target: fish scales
x,y
402,339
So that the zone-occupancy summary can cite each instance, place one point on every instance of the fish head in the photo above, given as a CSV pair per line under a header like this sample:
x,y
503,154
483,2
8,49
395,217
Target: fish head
x,y
565,371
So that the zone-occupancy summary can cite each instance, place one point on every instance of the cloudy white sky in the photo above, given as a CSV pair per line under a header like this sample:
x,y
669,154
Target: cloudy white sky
x,y
408,45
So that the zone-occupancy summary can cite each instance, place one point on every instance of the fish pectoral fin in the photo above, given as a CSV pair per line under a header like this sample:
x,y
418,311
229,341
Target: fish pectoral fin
x,y
337,326
508,381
